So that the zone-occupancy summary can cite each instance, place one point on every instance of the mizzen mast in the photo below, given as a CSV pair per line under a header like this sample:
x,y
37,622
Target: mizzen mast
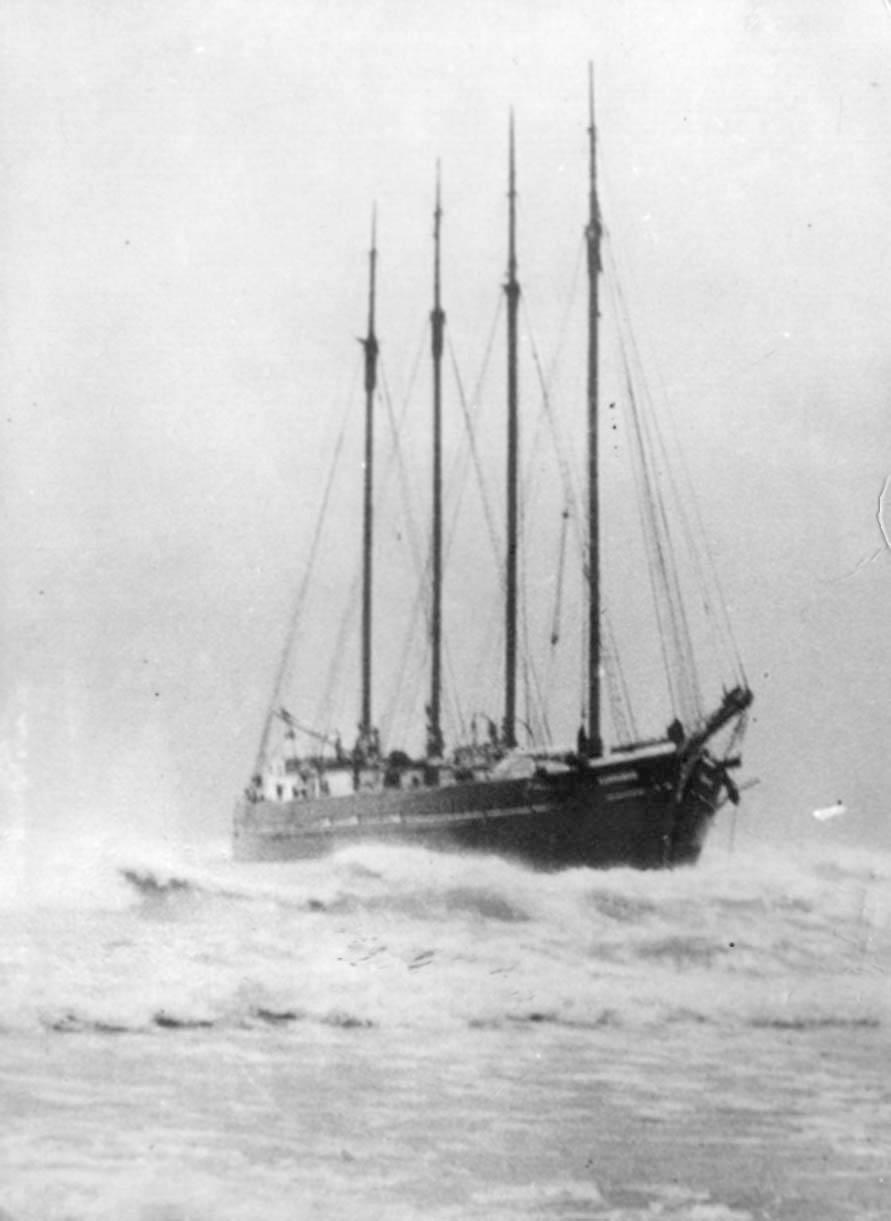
x,y
592,237
512,290
369,343
437,324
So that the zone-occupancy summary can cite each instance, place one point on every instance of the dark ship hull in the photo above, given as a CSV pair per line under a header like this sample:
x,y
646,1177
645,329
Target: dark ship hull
x,y
646,809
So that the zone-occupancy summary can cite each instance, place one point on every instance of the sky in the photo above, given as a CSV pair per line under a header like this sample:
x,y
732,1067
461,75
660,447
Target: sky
x,y
186,202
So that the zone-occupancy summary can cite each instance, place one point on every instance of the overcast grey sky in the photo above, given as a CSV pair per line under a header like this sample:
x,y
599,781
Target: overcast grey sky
x,y
185,211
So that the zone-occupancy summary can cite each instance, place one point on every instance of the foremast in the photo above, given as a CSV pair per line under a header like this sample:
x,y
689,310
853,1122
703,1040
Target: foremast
x,y
370,345
437,329
512,291
592,238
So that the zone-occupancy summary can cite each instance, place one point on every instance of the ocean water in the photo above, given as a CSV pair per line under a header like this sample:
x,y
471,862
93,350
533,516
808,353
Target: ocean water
x,y
398,1034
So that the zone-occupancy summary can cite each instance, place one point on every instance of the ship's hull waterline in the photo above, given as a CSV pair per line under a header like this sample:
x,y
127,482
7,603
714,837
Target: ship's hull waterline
x,y
651,813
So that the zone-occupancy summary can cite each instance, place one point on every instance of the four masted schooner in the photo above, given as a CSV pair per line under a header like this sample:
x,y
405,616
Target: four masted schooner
x,y
645,804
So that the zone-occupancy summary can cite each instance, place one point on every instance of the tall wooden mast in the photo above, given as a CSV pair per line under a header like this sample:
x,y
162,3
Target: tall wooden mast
x,y
512,289
592,235
369,343
437,323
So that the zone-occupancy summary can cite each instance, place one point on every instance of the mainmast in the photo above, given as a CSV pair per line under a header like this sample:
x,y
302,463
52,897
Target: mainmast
x,y
369,343
512,289
592,236
437,321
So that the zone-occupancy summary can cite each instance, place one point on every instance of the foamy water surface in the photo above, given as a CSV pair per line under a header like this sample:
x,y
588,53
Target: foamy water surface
x,y
399,1034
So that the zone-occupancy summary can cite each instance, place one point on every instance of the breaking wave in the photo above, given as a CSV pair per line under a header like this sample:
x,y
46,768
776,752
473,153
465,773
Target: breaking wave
x,y
165,942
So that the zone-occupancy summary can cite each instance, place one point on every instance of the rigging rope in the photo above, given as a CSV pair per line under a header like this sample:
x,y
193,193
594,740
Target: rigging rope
x,y
561,564
538,691
422,594
706,571
303,591
469,412
617,689
674,632
475,458
677,647
535,705
330,689
401,468
620,703
694,532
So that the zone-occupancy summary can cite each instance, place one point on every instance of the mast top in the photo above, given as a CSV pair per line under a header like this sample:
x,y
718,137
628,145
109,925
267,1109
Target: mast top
x,y
437,220
438,314
512,285
594,225
372,262
369,343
